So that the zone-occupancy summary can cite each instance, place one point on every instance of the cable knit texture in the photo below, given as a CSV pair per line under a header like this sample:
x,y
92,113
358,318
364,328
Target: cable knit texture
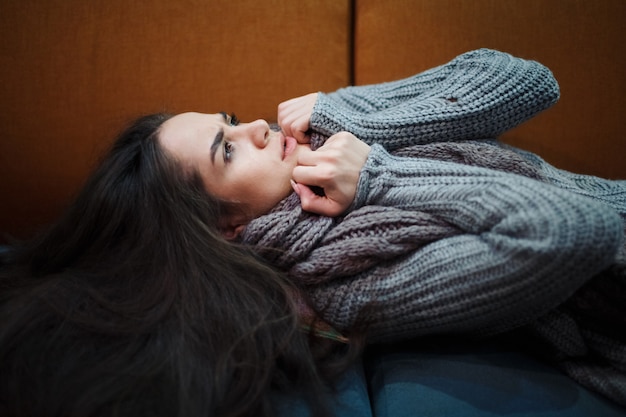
x,y
478,95
452,232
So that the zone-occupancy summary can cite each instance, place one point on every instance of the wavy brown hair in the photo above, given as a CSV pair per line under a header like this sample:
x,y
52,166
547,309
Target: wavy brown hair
x,y
132,304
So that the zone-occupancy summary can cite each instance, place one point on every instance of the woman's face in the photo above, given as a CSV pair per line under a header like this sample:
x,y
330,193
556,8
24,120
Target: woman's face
x,y
247,164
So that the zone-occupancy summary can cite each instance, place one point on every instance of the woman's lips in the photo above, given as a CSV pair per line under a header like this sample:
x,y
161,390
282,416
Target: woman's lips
x,y
290,145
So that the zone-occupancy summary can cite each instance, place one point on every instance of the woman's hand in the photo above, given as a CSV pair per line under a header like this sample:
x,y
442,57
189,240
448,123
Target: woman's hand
x,y
335,168
294,116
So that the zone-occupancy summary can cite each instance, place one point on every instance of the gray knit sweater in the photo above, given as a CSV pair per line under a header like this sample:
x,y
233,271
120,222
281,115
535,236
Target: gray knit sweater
x,y
519,247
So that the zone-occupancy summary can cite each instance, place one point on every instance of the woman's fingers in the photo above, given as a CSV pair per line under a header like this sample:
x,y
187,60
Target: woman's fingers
x,y
334,168
294,116
316,203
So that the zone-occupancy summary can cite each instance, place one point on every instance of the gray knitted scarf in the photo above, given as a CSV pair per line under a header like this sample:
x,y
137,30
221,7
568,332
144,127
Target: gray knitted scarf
x,y
313,248
584,335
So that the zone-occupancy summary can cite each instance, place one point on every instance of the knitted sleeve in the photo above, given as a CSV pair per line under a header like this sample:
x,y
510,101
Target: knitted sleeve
x,y
478,95
526,246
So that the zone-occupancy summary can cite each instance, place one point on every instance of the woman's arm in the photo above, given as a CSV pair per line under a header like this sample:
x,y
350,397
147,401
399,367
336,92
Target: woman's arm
x,y
478,95
525,247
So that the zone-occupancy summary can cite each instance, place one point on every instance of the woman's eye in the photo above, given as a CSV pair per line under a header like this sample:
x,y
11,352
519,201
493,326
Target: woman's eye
x,y
228,151
233,120
229,119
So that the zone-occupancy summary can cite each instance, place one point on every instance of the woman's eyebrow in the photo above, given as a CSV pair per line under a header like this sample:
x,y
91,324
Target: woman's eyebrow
x,y
218,138
216,144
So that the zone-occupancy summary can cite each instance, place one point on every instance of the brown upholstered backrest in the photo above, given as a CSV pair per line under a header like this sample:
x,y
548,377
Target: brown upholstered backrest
x,y
73,72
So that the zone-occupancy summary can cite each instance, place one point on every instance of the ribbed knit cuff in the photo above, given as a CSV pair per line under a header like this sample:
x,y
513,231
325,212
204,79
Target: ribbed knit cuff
x,y
367,178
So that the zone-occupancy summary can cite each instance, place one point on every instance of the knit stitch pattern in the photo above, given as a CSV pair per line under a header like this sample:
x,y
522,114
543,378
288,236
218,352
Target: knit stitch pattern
x,y
478,95
448,244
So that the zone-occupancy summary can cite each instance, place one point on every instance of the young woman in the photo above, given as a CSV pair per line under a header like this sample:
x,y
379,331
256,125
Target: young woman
x,y
135,293
436,228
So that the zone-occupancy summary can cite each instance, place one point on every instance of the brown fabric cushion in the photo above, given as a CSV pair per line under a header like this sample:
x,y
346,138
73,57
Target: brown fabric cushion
x,y
73,72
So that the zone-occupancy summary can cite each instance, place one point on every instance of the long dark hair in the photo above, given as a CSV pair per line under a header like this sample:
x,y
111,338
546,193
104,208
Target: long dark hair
x,y
132,304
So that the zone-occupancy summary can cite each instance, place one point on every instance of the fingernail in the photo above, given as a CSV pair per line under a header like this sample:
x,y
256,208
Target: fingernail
x,y
295,186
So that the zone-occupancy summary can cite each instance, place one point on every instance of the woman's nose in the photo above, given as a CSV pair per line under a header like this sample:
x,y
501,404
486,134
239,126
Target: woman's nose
x,y
257,131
